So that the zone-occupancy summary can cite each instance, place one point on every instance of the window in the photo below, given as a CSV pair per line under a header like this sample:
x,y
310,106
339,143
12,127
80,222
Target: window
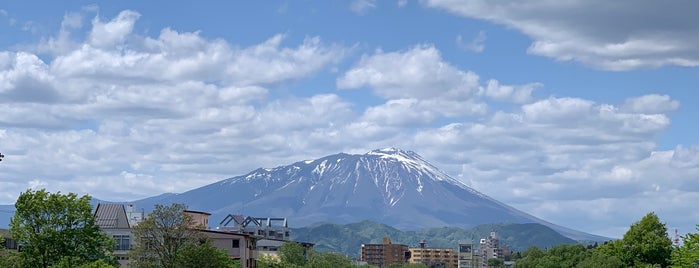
x,y
10,243
122,242
236,243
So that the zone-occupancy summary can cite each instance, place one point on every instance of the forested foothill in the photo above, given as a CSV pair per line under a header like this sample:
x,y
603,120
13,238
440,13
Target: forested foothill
x,y
645,244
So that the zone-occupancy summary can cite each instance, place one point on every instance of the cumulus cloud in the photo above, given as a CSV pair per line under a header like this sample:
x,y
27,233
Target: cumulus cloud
x,y
119,106
516,94
558,154
606,35
418,72
651,104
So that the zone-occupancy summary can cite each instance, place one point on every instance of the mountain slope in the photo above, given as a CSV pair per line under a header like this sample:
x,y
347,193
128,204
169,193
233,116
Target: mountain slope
x,y
390,186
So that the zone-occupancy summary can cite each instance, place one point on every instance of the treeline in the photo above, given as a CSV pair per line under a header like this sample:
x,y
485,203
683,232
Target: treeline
x,y
291,255
645,244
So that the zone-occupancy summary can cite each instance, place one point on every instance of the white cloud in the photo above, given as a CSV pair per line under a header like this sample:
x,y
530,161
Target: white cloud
x,y
418,72
602,34
516,94
476,45
651,104
362,6
402,3
114,32
563,154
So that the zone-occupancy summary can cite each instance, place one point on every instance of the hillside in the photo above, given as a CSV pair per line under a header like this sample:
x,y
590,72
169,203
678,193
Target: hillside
x,y
348,238
390,186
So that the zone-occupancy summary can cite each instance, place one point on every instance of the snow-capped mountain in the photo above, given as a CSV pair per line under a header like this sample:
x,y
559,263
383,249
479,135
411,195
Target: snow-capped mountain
x,y
392,186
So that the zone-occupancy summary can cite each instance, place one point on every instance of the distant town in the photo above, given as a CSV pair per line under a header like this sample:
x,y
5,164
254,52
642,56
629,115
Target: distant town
x,y
247,238
120,235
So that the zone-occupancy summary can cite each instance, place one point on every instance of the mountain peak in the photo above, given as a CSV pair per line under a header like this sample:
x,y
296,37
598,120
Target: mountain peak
x,y
389,185
397,154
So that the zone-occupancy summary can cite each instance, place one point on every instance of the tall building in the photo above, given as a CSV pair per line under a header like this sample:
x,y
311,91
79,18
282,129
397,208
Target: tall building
x,y
385,254
490,248
466,255
433,257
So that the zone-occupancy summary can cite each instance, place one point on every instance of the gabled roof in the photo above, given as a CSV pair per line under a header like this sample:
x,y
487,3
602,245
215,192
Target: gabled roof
x,y
111,216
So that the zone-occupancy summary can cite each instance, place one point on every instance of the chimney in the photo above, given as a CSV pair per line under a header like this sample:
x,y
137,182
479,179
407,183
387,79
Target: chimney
x,y
422,243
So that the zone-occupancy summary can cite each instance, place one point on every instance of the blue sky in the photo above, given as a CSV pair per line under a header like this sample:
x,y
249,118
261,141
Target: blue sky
x,y
579,112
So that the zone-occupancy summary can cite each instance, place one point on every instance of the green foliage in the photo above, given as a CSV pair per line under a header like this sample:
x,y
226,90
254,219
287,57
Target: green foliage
x,y
292,253
598,260
687,255
348,238
70,262
8,259
496,263
166,239
203,255
645,245
162,236
54,227
563,256
329,260
646,242
408,265
266,261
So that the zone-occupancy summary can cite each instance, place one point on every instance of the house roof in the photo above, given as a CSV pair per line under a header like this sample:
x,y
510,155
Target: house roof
x,y
198,212
111,216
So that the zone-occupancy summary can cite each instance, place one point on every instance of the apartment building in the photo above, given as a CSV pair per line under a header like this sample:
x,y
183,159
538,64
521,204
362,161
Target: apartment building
x,y
385,254
433,257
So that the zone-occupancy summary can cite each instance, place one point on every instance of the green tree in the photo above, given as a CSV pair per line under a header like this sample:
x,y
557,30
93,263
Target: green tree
x,y
496,262
53,226
8,259
203,255
161,236
329,260
267,261
687,255
292,253
408,265
599,260
646,243
69,262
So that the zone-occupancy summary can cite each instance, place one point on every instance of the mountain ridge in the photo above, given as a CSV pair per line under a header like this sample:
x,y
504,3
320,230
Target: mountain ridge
x,y
389,185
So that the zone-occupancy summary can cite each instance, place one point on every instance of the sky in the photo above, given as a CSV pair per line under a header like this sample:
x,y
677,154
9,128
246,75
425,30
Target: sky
x,y
580,112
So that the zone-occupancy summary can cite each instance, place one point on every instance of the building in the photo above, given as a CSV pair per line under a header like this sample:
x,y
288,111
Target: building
x,y
238,246
117,221
261,227
200,219
113,220
490,248
8,242
466,255
433,257
385,254
271,233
